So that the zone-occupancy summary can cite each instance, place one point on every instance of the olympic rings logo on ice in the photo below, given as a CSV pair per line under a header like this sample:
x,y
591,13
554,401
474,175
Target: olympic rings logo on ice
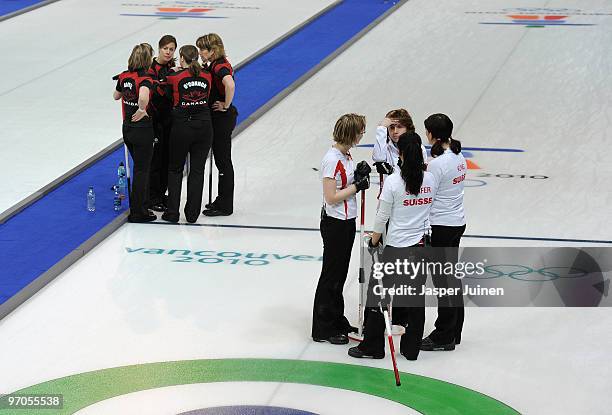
x,y
529,274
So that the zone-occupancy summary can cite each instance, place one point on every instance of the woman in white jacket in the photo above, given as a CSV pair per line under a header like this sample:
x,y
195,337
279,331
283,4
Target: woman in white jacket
x,y
447,220
388,132
405,203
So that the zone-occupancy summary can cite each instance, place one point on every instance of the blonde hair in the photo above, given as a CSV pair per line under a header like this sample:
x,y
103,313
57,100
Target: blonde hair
x,y
213,43
149,47
348,128
140,58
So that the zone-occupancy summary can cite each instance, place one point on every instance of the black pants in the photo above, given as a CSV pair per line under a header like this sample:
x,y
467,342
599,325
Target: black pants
x,y
328,311
139,141
158,183
449,323
223,125
191,134
411,318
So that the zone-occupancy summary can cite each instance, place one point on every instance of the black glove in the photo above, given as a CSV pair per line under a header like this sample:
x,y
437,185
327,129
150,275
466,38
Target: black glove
x,y
363,183
373,249
362,170
382,167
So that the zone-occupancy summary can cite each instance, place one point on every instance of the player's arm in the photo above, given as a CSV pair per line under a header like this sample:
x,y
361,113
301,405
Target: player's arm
x,y
380,146
143,101
382,217
230,89
333,195
117,94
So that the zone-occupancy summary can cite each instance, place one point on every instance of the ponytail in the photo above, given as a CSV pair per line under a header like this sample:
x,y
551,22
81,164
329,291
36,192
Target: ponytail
x,y
437,149
441,128
190,54
195,68
455,146
413,164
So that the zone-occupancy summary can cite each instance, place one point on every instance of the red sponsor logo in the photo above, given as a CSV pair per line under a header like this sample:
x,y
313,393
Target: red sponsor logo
x,y
418,202
459,179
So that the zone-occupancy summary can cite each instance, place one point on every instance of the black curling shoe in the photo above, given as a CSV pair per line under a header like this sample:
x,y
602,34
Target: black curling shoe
x,y
169,217
410,356
337,339
191,219
215,212
141,218
360,354
431,346
159,207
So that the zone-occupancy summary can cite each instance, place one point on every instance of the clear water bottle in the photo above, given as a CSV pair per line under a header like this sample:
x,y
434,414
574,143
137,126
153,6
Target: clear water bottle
x,y
116,199
91,199
122,181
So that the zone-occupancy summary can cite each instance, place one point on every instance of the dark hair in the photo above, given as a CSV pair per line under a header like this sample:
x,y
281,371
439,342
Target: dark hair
x,y
441,129
413,165
166,39
436,149
190,54
410,136
403,117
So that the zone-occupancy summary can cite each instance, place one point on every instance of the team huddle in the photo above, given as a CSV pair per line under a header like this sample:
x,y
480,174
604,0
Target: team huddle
x,y
174,110
417,195
171,111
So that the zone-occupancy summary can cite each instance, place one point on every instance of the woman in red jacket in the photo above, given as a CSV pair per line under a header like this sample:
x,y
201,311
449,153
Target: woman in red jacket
x,y
134,88
162,123
191,133
224,116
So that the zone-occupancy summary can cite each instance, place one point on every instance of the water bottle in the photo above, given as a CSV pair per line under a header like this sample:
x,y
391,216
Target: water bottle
x,y
116,199
91,199
121,174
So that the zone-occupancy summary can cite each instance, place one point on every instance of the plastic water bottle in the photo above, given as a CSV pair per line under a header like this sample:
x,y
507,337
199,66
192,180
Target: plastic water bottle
x,y
91,199
121,174
116,199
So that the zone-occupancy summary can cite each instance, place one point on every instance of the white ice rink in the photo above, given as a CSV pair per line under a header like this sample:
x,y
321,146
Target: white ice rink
x,y
545,91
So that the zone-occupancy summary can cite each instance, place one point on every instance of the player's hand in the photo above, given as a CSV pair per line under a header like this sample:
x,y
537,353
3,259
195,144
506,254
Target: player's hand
x,y
387,122
219,106
363,169
382,167
139,115
363,183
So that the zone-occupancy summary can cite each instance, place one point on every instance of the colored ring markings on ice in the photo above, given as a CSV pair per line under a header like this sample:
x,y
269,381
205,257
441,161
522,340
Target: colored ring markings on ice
x,y
423,394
